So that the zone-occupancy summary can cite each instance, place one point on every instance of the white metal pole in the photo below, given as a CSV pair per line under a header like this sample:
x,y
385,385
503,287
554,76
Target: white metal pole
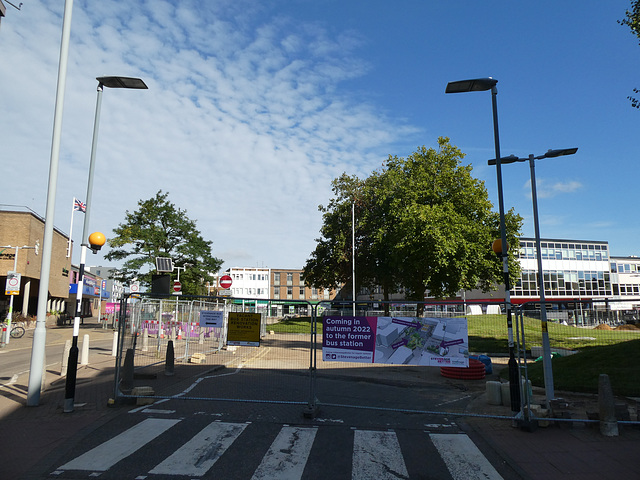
x,y
40,333
353,254
546,348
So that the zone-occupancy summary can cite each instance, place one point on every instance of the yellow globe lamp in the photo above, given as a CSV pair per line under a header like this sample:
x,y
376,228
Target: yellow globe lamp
x,y
496,246
96,241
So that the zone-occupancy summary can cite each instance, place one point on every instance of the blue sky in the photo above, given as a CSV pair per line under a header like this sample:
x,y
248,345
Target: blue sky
x,y
254,107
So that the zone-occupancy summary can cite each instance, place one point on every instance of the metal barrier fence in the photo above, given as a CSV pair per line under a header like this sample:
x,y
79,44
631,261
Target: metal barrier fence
x,y
285,367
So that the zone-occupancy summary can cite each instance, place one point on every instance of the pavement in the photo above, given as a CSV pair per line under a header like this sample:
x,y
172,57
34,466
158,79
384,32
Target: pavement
x,y
30,436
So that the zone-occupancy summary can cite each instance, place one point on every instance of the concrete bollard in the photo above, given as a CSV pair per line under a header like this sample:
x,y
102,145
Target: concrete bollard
x,y
169,365
84,357
145,340
607,407
65,358
114,347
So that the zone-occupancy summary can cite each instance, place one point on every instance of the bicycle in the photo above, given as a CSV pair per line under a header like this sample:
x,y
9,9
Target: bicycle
x,y
17,329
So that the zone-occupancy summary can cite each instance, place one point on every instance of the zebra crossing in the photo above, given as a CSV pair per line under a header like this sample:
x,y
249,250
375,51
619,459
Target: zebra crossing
x,y
167,448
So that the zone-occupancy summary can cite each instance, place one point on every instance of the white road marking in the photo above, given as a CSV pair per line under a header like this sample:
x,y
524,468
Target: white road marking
x,y
462,457
377,455
199,454
287,455
107,454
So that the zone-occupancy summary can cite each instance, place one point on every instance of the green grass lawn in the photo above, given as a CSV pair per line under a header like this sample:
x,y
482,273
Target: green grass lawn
x,y
580,372
613,352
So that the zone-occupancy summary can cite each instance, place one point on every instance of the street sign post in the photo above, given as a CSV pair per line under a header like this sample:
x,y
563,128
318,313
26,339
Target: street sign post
x,y
13,284
177,287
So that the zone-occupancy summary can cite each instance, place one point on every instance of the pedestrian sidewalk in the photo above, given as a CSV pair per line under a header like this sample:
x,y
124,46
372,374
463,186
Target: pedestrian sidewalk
x,y
31,436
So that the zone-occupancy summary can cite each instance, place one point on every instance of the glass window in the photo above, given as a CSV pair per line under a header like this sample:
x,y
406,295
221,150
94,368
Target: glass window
x,y
276,278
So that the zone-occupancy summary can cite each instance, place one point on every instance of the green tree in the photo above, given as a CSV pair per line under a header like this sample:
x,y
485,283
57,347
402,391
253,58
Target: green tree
x,y
632,20
424,223
159,229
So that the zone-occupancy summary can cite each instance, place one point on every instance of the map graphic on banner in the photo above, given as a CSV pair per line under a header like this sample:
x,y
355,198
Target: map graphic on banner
x,y
396,340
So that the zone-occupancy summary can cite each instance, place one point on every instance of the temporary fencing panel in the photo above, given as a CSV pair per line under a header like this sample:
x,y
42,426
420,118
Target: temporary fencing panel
x,y
419,348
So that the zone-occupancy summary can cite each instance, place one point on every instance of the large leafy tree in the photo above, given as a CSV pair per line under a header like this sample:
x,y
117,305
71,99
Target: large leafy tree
x,y
159,229
632,20
422,223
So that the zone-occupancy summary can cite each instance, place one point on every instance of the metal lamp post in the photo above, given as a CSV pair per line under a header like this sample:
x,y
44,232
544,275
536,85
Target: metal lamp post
x,y
110,82
478,85
546,348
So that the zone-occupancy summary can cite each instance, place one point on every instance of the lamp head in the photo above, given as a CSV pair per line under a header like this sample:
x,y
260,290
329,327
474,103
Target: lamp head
x,y
122,82
473,85
96,241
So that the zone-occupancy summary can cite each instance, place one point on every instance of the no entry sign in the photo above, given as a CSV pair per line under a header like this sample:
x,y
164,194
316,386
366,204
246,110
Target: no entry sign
x,y
225,281
177,286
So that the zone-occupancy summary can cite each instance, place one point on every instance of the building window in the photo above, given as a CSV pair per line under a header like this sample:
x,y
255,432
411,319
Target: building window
x,y
301,292
289,293
276,278
289,278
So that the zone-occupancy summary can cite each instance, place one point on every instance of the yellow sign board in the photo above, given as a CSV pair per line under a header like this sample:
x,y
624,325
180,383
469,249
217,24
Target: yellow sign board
x,y
244,329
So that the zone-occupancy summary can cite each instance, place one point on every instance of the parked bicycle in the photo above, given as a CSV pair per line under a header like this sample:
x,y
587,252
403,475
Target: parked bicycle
x,y
17,329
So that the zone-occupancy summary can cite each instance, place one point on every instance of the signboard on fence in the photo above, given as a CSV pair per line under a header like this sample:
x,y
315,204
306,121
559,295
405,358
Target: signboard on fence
x,y
244,329
211,318
396,340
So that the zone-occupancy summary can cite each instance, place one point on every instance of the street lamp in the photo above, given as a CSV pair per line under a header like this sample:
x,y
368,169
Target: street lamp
x,y
546,348
72,366
478,85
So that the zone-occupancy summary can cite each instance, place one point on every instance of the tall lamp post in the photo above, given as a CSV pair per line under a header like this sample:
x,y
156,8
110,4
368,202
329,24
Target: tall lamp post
x,y
72,366
546,348
479,85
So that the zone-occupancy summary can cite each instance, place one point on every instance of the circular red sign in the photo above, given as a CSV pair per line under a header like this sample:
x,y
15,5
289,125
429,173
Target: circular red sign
x,y
225,281
177,286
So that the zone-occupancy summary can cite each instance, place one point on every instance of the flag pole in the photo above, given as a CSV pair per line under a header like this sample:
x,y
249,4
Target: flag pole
x,y
73,209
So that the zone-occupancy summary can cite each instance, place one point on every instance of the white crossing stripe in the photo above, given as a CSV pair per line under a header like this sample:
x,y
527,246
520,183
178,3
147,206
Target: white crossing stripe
x,y
199,454
377,455
287,455
463,459
107,454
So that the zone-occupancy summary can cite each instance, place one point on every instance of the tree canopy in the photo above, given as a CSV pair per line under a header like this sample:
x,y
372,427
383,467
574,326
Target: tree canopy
x,y
632,20
422,223
159,229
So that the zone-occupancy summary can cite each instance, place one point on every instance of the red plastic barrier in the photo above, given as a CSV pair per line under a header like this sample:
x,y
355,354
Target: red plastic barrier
x,y
475,371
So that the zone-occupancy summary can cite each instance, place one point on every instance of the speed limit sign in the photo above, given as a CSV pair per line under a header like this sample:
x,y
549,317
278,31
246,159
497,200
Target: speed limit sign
x,y
134,287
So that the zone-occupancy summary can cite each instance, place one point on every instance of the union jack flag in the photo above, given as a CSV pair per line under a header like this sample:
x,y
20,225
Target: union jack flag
x,y
79,206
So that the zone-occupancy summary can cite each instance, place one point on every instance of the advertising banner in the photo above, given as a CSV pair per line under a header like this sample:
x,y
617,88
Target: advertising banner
x,y
396,340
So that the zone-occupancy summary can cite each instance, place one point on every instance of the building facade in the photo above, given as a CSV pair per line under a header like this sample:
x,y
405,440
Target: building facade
x,y
23,227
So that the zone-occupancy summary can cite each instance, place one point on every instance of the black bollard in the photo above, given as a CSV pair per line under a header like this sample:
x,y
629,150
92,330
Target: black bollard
x,y
170,361
126,382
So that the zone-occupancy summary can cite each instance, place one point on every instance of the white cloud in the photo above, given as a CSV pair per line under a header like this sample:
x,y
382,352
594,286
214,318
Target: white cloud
x,y
547,189
244,122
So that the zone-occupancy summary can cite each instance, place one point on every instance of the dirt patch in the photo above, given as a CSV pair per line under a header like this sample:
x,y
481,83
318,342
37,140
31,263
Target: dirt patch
x,y
627,327
603,326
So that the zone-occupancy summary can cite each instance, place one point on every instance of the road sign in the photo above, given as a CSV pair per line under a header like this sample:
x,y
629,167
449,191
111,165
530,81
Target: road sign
x,y
134,287
177,286
13,284
225,281
211,318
